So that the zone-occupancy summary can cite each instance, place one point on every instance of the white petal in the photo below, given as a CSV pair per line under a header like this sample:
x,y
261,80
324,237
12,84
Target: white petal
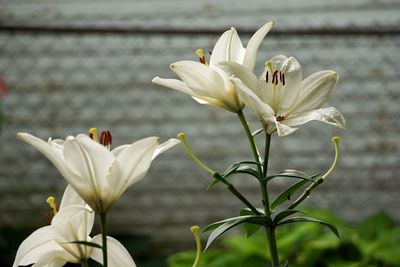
x,y
174,84
73,223
55,259
71,197
228,48
35,246
287,94
246,76
161,148
328,115
283,129
91,161
252,100
117,254
201,79
47,150
135,162
315,90
253,44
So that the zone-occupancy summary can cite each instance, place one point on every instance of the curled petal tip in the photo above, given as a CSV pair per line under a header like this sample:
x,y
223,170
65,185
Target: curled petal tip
x,y
155,79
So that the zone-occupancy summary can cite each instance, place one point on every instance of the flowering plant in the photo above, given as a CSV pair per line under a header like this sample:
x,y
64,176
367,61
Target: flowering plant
x,y
98,176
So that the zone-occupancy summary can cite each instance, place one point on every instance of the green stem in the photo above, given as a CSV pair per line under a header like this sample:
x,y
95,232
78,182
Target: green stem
x,y
251,140
84,263
270,230
103,226
236,193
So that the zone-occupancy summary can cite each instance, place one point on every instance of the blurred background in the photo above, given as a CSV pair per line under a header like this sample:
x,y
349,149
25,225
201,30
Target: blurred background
x,y
67,66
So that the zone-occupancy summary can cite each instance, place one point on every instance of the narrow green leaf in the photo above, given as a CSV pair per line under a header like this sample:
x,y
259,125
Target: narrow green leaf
x,y
222,228
283,214
308,219
86,243
291,174
285,195
256,132
219,223
249,228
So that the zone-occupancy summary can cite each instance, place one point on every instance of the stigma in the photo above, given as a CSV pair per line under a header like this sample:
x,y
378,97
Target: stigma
x,y
53,209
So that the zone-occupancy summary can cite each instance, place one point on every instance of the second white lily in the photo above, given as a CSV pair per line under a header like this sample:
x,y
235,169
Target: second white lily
x,y
207,83
100,176
281,99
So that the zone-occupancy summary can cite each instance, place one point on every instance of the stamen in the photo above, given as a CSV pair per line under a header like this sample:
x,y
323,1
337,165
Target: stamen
x,y
283,78
266,76
275,77
202,58
53,209
280,118
106,139
93,134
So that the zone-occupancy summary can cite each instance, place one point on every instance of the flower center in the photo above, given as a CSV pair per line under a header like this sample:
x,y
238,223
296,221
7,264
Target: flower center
x,y
105,137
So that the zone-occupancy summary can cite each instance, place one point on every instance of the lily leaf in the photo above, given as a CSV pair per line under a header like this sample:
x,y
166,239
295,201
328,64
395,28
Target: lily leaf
x,y
249,228
308,219
291,174
86,243
256,132
283,214
246,170
285,195
224,225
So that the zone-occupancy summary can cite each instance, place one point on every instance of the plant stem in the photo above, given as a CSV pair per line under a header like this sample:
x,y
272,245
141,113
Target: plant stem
x,y
103,226
236,193
251,140
84,263
270,230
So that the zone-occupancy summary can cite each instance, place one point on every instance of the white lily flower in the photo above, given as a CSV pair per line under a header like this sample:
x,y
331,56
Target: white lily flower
x,y
207,83
100,176
280,97
51,245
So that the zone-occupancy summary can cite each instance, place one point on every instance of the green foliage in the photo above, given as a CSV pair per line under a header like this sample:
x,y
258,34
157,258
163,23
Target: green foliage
x,y
374,243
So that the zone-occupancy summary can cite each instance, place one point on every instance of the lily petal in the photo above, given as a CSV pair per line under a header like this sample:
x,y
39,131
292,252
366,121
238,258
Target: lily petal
x,y
228,47
241,72
116,252
55,259
134,162
174,84
315,90
288,93
35,246
161,148
43,147
328,115
201,79
71,197
91,161
253,45
252,100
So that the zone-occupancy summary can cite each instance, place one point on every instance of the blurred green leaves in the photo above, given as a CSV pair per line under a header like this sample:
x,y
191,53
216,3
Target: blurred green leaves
x,y
374,243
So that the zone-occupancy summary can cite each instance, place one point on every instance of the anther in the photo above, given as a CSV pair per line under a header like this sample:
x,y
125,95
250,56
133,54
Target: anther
x,y
93,134
106,139
283,78
280,118
266,76
275,77
202,58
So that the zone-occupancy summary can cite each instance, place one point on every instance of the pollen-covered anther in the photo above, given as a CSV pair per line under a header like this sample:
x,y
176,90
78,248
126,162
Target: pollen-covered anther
x,y
106,139
202,58
53,209
93,134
